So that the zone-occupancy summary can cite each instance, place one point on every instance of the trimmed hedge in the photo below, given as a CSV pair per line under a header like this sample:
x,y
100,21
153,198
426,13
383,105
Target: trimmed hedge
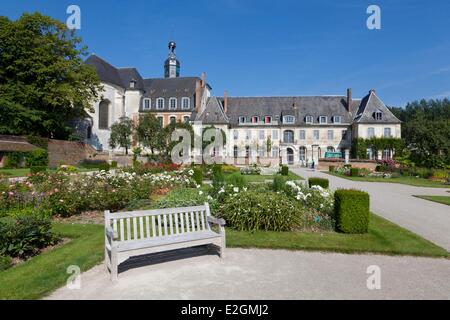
x,y
354,172
324,183
352,211
284,170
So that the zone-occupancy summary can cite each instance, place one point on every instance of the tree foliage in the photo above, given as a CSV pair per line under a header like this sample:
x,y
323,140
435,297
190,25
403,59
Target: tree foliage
x,y
121,132
43,79
150,132
426,131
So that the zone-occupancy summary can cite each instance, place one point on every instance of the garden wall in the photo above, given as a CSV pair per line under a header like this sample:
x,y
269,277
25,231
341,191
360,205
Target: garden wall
x,y
70,152
324,164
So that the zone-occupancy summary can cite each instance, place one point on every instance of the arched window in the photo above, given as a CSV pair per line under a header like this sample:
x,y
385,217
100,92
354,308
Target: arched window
x,y
172,103
103,115
330,149
288,136
173,119
288,119
186,119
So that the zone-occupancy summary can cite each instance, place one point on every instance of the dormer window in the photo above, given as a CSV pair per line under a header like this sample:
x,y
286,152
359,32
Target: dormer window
x,y
186,103
323,119
132,83
147,104
173,103
160,103
288,119
337,119
268,119
378,115
309,119
255,119
241,119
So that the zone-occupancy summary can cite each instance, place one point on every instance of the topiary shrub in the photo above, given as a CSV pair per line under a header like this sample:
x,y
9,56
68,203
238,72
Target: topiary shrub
x,y
37,158
284,170
269,211
354,172
38,169
324,183
352,211
198,176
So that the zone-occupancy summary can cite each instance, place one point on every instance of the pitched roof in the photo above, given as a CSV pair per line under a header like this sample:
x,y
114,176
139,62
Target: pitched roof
x,y
371,104
213,113
120,77
300,107
15,144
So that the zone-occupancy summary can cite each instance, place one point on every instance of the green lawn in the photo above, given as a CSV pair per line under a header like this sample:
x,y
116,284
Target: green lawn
x,y
384,237
438,199
412,181
261,178
46,272
23,172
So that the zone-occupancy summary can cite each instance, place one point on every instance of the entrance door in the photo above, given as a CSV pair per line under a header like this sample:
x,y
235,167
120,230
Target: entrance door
x,y
290,156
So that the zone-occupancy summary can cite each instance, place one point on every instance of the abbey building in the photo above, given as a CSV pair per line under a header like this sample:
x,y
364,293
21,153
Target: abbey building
x,y
294,130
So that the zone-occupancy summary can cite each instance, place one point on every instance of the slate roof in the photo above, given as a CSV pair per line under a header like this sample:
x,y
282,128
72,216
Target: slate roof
x,y
300,107
371,104
213,113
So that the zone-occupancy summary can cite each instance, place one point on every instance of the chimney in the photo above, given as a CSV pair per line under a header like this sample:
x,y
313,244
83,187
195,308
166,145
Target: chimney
x,y
225,101
203,79
198,95
349,100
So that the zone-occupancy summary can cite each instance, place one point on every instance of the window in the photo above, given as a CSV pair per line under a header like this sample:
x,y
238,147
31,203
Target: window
x,y
160,103
235,151
248,135
186,103
316,134
241,119
161,121
274,134
103,115
288,119
302,154
370,154
235,134
309,119
261,151
323,119
262,135
247,151
255,119
370,132
173,103
275,152
387,132
387,154
146,103
378,115
186,119
288,136
173,119
268,119
302,134
337,119
330,135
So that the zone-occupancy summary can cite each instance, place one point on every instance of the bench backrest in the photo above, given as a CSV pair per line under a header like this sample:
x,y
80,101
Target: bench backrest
x,y
146,224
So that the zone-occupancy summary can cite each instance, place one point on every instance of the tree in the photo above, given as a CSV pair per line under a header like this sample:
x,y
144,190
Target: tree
x,y
121,132
44,82
150,132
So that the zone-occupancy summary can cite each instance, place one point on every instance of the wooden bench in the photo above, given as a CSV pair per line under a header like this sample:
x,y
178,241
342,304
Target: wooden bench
x,y
129,234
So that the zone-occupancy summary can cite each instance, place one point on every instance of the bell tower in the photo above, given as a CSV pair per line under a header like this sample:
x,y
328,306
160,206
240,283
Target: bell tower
x,y
172,65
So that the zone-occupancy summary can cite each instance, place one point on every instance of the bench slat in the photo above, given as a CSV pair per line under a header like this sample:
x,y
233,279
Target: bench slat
x,y
147,226
141,227
135,229
128,229
153,226
170,224
186,216
122,233
159,226
165,224
156,212
202,218
176,223
182,222
197,221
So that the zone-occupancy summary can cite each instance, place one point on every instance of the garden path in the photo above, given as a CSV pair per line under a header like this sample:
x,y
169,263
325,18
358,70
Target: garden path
x,y
396,203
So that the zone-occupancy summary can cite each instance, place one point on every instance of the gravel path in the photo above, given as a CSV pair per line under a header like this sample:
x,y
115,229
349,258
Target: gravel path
x,y
396,203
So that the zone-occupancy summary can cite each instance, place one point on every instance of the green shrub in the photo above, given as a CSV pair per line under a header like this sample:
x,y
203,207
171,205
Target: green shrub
x,y
182,197
331,168
236,179
324,183
91,164
38,141
103,166
279,183
352,211
65,168
5,263
347,166
270,211
284,170
198,176
354,172
24,236
226,168
113,164
37,169
37,157
14,159
218,178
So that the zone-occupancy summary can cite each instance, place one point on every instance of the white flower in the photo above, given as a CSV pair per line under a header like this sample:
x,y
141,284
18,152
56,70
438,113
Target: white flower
x,y
200,192
236,190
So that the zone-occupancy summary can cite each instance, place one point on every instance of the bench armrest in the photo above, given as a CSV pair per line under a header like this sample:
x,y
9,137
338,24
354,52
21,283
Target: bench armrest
x,y
110,233
215,220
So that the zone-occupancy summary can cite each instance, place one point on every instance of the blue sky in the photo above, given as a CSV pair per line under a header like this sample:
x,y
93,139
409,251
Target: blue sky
x,y
272,48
